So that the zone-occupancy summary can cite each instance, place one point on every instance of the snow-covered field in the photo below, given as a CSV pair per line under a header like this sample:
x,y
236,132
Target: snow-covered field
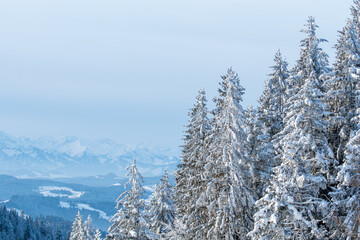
x,y
82,206
50,191
150,188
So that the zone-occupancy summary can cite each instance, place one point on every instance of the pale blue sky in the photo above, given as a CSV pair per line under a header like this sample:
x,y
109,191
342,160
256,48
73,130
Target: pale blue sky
x,y
130,70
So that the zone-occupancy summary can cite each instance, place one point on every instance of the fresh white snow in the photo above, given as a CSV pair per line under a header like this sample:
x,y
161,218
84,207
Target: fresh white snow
x,y
102,214
48,191
82,206
64,204
150,188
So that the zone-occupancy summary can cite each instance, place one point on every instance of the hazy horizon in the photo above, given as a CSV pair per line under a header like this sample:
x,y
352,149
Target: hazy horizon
x,y
130,70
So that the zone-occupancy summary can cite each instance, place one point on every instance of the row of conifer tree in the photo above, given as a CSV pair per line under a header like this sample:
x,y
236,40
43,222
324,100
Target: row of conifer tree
x,y
14,225
289,169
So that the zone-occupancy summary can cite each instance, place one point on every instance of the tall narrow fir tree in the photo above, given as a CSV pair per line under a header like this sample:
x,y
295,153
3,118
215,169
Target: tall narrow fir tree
x,y
228,196
128,222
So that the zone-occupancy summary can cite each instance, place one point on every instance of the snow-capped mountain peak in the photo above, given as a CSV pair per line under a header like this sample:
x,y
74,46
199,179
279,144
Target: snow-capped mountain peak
x,y
72,156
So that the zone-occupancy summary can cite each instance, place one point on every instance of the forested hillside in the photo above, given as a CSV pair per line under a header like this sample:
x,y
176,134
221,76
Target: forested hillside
x,y
16,225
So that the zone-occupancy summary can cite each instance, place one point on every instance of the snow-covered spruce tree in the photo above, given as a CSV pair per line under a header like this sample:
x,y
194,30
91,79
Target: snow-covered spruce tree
x,y
268,121
189,175
261,151
346,198
344,86
77,230
293,206
313,60
88,228
97,235
228,196
344,104
272,101
295,203
128,222
178,232
162,208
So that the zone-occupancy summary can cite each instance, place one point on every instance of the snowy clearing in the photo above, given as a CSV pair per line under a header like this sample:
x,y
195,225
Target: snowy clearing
x,y
64,204
48,191
102,214
150,188
82,206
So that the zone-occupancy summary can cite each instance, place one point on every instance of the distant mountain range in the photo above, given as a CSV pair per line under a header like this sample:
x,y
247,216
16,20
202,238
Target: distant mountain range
x,y
64,157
